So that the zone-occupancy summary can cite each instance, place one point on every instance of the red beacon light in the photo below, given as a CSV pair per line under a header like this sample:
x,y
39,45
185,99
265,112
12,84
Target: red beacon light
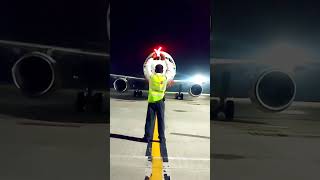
x,y
158,51
158,55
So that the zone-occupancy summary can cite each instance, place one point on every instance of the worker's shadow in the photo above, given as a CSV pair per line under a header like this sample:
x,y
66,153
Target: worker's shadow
x,y
129,138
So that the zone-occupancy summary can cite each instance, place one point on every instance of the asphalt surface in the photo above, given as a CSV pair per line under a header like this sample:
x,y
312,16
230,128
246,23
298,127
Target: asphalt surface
x,y
187,134
258,145
46,139
55,107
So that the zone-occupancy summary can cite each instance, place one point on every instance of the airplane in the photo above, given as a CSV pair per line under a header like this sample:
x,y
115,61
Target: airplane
x,y
39,70
123,83
272,83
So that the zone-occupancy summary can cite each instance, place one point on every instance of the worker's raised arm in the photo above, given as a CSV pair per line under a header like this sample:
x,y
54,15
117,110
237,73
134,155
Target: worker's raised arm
x,y
171,69
147,69
170,72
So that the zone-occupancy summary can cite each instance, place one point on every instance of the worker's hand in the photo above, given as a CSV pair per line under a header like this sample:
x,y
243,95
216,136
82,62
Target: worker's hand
x,y
170,83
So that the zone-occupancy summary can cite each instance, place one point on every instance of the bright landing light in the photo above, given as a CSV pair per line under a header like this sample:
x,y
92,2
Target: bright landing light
x,y
199,79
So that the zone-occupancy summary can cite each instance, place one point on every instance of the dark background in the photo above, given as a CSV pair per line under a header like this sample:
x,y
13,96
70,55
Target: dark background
x,y
180,27
241,28
71,23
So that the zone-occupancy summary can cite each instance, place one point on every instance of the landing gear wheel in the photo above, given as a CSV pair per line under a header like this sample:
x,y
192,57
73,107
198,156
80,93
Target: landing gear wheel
x,y
229,110
87,102
214,110
81,102
221,110
179,96
137,93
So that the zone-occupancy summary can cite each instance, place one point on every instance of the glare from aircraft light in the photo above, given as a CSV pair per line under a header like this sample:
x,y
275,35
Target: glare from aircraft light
x,y
285,56
199,79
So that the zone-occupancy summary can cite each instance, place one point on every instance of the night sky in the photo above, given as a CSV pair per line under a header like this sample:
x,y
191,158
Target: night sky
x,y
68,23
180,27
241,28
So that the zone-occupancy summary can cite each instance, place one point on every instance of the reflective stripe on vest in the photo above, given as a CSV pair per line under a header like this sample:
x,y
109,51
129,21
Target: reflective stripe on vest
x,y
157,87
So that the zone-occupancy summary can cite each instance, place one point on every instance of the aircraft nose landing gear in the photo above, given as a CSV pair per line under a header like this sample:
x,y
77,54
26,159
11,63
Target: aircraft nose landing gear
x,y
179,96
137,93
222,108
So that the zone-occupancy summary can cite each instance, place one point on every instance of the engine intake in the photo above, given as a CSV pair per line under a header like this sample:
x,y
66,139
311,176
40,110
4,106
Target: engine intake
x,y
195,90
274,91
35,74
120,85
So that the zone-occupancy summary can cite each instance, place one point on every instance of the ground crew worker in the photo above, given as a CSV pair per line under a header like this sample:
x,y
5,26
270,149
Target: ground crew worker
x,y
157,88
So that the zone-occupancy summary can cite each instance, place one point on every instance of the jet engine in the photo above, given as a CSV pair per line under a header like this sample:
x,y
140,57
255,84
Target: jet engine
x,y
120,85
195,90
273,91
35,74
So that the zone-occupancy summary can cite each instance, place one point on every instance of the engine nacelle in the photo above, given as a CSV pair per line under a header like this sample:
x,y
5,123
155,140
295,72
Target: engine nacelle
x,y
120,85
35,74
273,91
195,90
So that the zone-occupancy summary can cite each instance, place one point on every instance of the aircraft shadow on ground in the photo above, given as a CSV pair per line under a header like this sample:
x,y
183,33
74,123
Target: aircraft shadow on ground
x,y
236,120
59,107
127,96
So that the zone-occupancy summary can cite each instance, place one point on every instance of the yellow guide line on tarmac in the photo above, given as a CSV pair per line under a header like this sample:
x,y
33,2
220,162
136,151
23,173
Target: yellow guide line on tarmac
x,y
156,155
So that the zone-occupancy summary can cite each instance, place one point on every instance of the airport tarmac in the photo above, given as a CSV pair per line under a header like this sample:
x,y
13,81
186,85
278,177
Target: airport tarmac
x,y
46,139
187,134
55,107
258,145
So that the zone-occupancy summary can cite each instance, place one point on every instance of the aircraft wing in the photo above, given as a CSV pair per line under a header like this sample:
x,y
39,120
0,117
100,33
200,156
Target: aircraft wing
x,y
115,76
122,83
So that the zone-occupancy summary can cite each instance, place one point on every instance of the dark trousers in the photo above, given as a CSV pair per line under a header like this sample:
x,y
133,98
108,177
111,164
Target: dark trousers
x,y
156,108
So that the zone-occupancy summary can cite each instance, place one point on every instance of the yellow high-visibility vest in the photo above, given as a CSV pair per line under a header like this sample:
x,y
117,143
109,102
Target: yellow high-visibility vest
x,y
157,87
